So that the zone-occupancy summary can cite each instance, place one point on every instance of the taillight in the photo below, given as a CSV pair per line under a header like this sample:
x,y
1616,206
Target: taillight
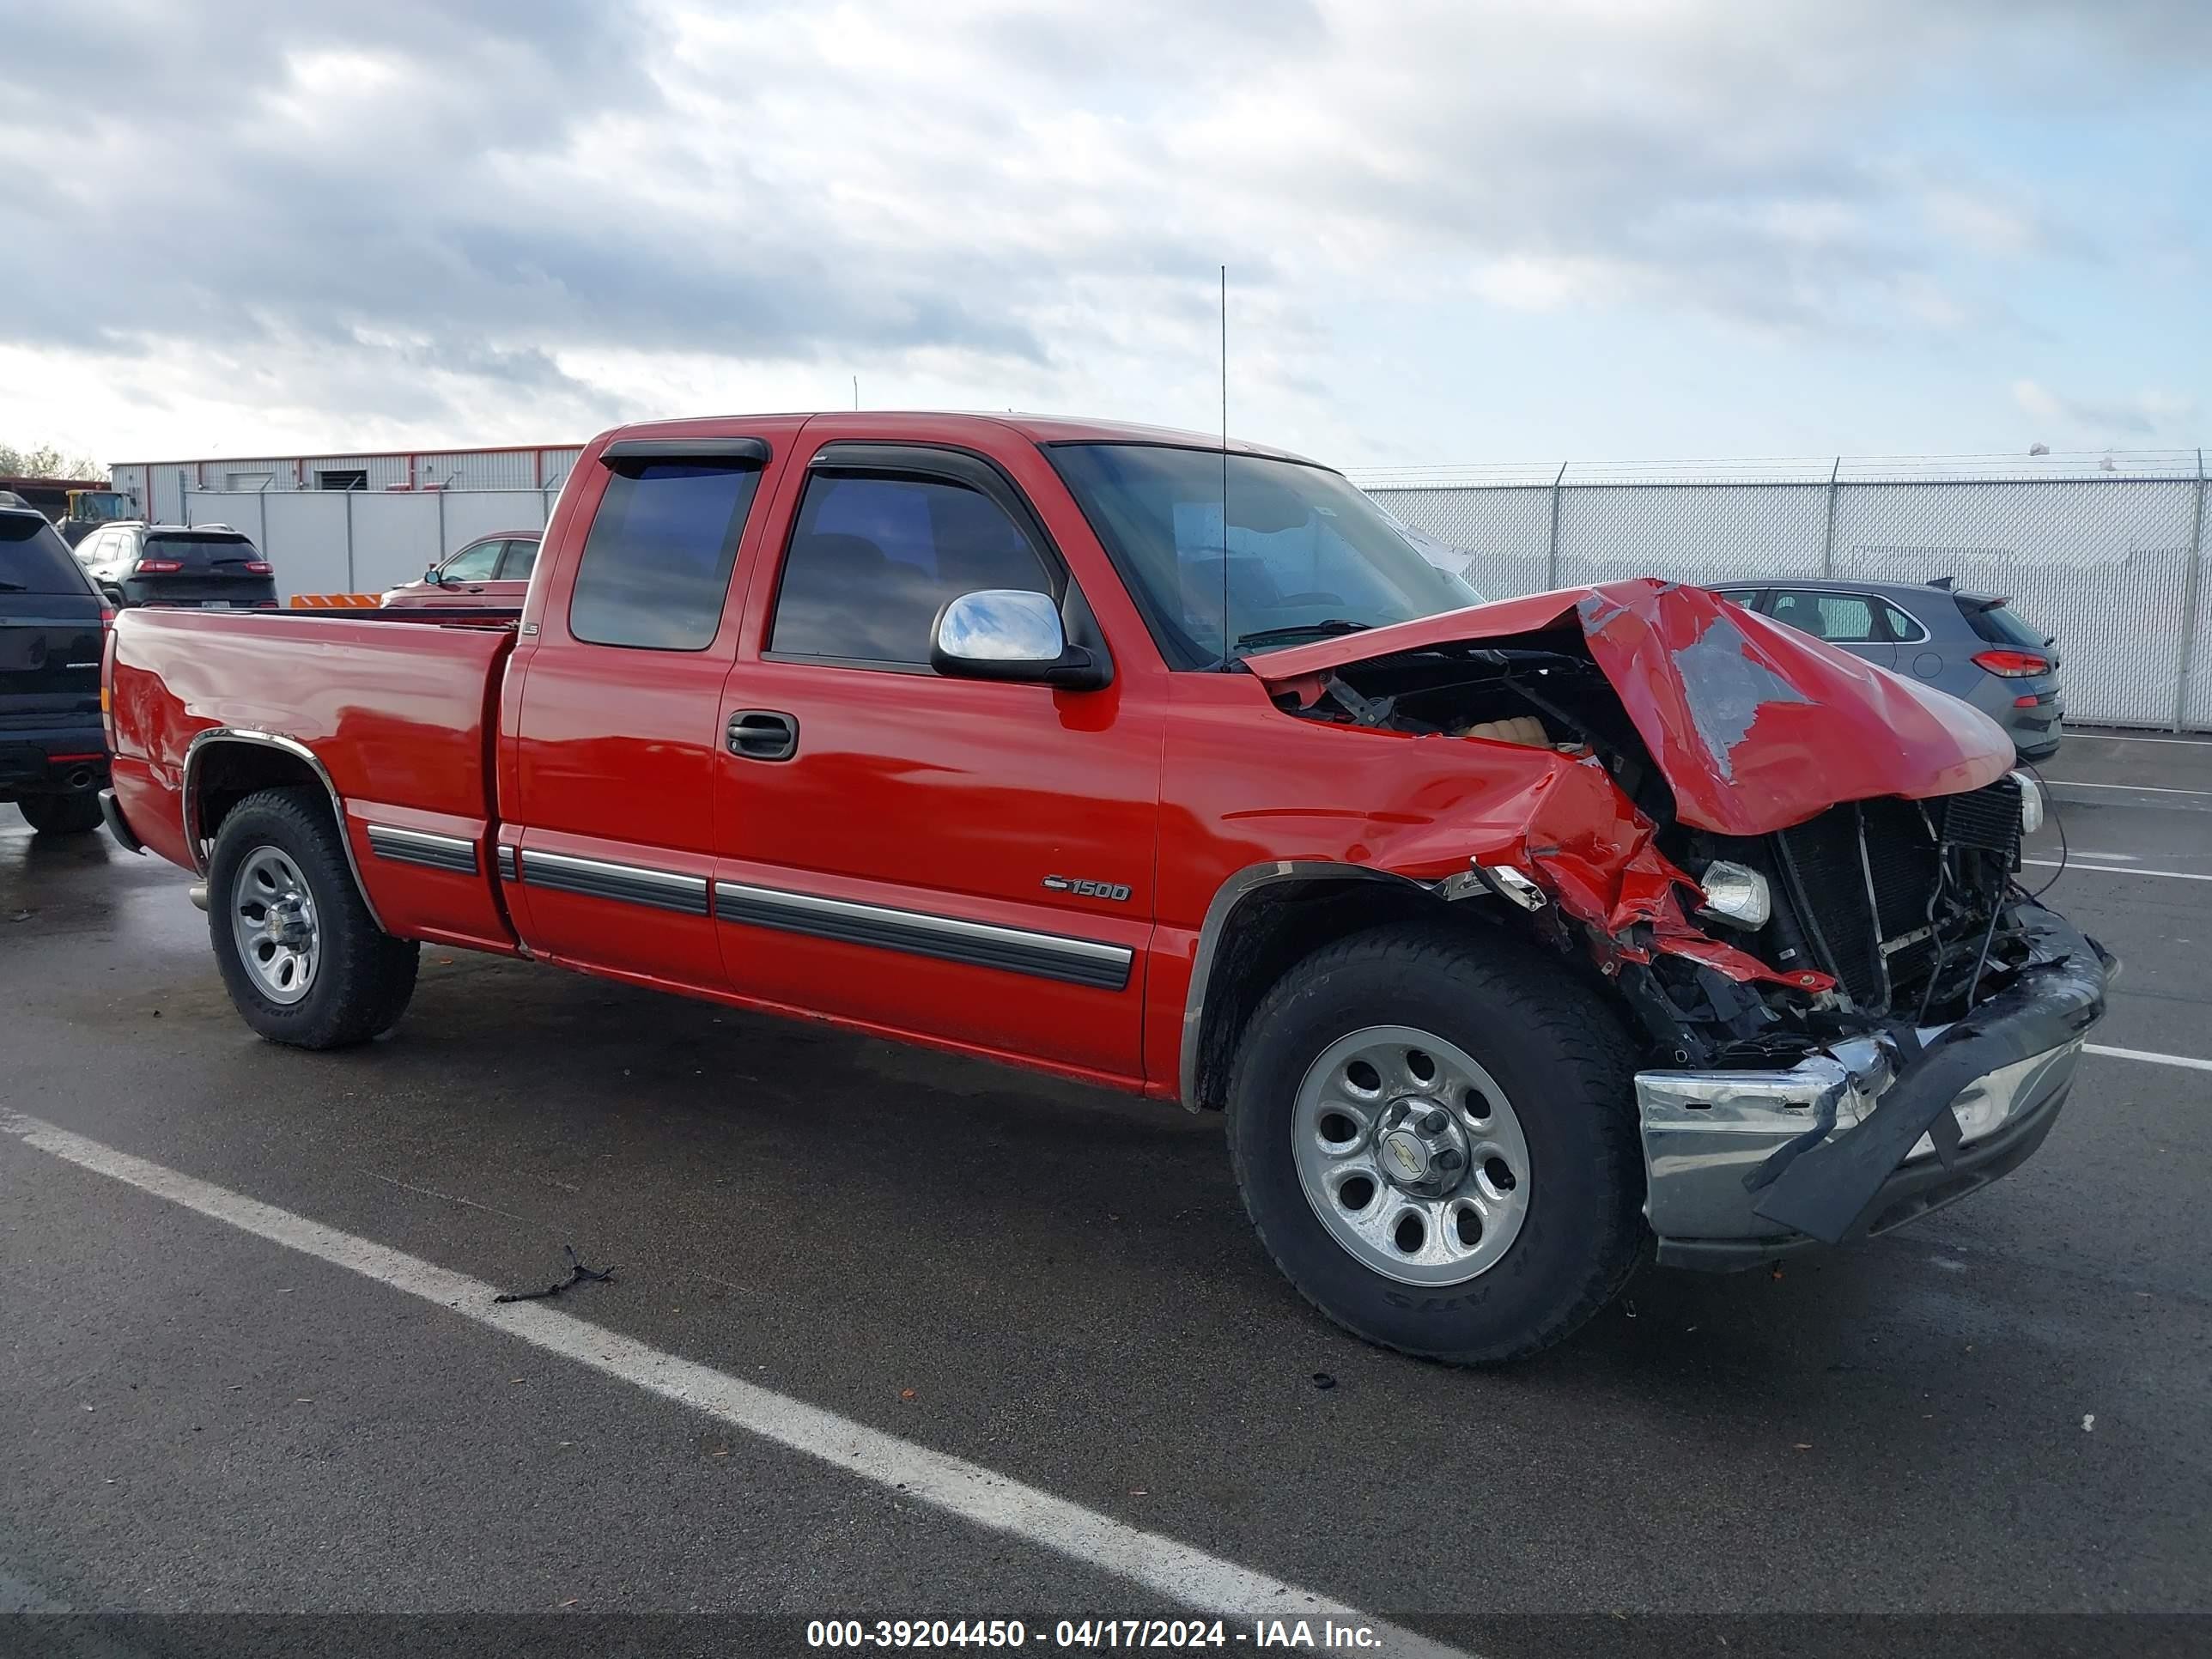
x,y
2013,665
106,617
258,567
158,567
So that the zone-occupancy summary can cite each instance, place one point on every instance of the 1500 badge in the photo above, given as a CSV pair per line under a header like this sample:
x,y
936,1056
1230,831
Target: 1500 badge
x,y
1106,889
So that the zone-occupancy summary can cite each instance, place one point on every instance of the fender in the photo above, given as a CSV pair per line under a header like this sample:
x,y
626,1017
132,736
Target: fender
x,y
189,795
1231,893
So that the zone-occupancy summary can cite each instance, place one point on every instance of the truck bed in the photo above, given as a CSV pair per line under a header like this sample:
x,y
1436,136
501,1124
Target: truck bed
x,y
399,717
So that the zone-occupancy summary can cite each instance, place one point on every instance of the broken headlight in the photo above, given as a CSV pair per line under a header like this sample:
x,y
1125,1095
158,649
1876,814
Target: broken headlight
x,y
1735,894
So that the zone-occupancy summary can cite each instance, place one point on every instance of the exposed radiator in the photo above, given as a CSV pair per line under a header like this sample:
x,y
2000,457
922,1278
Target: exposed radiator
x,y
1863,878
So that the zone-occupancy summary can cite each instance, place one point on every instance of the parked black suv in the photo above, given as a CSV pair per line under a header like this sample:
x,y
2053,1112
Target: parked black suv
x,y
206,565
53,755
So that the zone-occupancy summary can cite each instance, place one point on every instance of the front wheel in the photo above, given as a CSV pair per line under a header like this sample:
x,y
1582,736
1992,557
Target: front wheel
x,y
1435,1136
305,962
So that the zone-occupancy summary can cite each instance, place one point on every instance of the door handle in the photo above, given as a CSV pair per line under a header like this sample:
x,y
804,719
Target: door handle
x,y
763,734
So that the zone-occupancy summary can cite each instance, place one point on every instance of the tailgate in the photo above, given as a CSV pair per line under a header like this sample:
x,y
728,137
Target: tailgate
x,y
210,566
49,627
49,657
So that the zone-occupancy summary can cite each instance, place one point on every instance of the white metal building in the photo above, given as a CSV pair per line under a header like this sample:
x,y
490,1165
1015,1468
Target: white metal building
x,y
158,487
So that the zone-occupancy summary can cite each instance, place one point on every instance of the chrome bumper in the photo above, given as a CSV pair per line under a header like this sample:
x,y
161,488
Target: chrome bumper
x,y
1743,1166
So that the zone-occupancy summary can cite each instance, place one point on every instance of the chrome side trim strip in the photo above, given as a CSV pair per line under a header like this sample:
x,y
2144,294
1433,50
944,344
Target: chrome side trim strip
x,y
420,847
631,883
188,796
978,943
507,870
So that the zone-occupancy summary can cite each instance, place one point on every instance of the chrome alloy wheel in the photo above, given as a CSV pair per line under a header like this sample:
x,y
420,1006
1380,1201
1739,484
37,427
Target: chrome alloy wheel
x,y
1411,1155
272,918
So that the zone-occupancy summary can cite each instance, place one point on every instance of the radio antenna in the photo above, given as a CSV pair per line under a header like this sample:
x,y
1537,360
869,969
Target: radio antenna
x,y
1228,635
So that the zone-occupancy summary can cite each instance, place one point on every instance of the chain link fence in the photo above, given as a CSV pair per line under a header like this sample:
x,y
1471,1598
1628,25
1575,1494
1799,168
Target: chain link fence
x,y
2104,552
2107,553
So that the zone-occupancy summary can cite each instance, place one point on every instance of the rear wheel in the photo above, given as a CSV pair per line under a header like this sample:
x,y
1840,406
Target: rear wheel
x,y
61,815
304,962
1434,1134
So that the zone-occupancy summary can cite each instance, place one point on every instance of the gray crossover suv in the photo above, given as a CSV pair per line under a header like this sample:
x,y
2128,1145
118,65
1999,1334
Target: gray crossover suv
x,y
1973,645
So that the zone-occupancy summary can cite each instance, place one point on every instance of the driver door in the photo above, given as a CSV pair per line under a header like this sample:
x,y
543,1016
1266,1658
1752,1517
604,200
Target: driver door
x,y
965,862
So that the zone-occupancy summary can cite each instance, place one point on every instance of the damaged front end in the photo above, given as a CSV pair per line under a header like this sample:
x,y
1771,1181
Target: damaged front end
x,y
1797,870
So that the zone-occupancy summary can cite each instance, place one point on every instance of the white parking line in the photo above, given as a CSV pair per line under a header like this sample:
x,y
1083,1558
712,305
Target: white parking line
x,y
2134,788
2192,1064
2114,737
2112,870
1188,1576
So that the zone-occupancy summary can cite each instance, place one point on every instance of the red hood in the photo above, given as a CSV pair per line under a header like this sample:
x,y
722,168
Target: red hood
x,y
1755,725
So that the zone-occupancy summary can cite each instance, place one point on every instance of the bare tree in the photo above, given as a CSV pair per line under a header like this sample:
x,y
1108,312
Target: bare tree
x,y
46,462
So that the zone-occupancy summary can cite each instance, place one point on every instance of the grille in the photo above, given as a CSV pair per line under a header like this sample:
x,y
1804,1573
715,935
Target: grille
x,y
1870,910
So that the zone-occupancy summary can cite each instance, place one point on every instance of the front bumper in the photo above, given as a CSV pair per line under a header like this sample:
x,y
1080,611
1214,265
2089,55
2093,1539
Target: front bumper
x,y
1744,1166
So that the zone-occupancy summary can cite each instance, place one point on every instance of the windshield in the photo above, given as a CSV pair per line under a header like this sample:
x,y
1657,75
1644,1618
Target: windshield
x,y
99,505
1306,555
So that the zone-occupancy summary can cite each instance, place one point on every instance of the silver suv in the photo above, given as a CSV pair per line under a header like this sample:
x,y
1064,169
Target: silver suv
x,y
1973,645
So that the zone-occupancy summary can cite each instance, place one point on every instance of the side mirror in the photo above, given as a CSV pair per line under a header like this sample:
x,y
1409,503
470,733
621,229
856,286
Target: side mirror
x,y
434,576
1006,633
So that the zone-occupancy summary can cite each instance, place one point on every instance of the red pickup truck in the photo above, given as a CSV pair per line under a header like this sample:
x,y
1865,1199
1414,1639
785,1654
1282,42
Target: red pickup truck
x,y
1516,941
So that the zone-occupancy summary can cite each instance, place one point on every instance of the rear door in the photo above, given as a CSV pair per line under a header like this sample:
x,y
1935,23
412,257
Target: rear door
x,y
50,631
611,708
1849,622
511,583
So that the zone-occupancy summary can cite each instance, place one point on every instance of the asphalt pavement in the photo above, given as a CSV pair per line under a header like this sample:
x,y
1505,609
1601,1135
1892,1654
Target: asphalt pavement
x,y
2001,1411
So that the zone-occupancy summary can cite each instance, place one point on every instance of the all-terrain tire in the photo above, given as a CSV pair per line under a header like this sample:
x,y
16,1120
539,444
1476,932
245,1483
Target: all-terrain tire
x,y
1565,1065
363,978
61,815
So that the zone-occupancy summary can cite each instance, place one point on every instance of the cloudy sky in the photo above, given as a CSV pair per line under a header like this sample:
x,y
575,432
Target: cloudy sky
x,y
1456,230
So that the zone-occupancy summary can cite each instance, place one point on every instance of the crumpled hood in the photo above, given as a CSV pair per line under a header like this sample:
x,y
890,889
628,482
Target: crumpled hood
x,y
1755,725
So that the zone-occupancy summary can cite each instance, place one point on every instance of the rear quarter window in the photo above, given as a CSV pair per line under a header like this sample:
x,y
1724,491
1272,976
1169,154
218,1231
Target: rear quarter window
x,y
2001,625
34,559
657,564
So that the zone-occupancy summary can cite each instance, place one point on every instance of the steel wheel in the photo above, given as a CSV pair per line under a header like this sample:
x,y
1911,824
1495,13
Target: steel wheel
x,y
272,917
1411,1155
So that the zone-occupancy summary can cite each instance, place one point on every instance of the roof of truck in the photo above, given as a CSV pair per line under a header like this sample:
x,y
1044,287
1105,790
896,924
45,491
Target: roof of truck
x,y
893,424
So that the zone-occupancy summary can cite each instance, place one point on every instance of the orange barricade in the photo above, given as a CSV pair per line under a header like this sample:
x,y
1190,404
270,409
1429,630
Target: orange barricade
x,y
335,601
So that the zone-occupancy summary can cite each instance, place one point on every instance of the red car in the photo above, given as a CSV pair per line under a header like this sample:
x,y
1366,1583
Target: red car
x,y
1514,940
490,574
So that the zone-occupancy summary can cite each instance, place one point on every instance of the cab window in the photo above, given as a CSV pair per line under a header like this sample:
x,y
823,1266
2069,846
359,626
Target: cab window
x,y
873,559
657,565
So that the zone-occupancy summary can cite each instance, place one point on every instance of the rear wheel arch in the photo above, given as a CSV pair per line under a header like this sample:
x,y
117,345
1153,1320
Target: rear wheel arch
x,y
225,765
1262,922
